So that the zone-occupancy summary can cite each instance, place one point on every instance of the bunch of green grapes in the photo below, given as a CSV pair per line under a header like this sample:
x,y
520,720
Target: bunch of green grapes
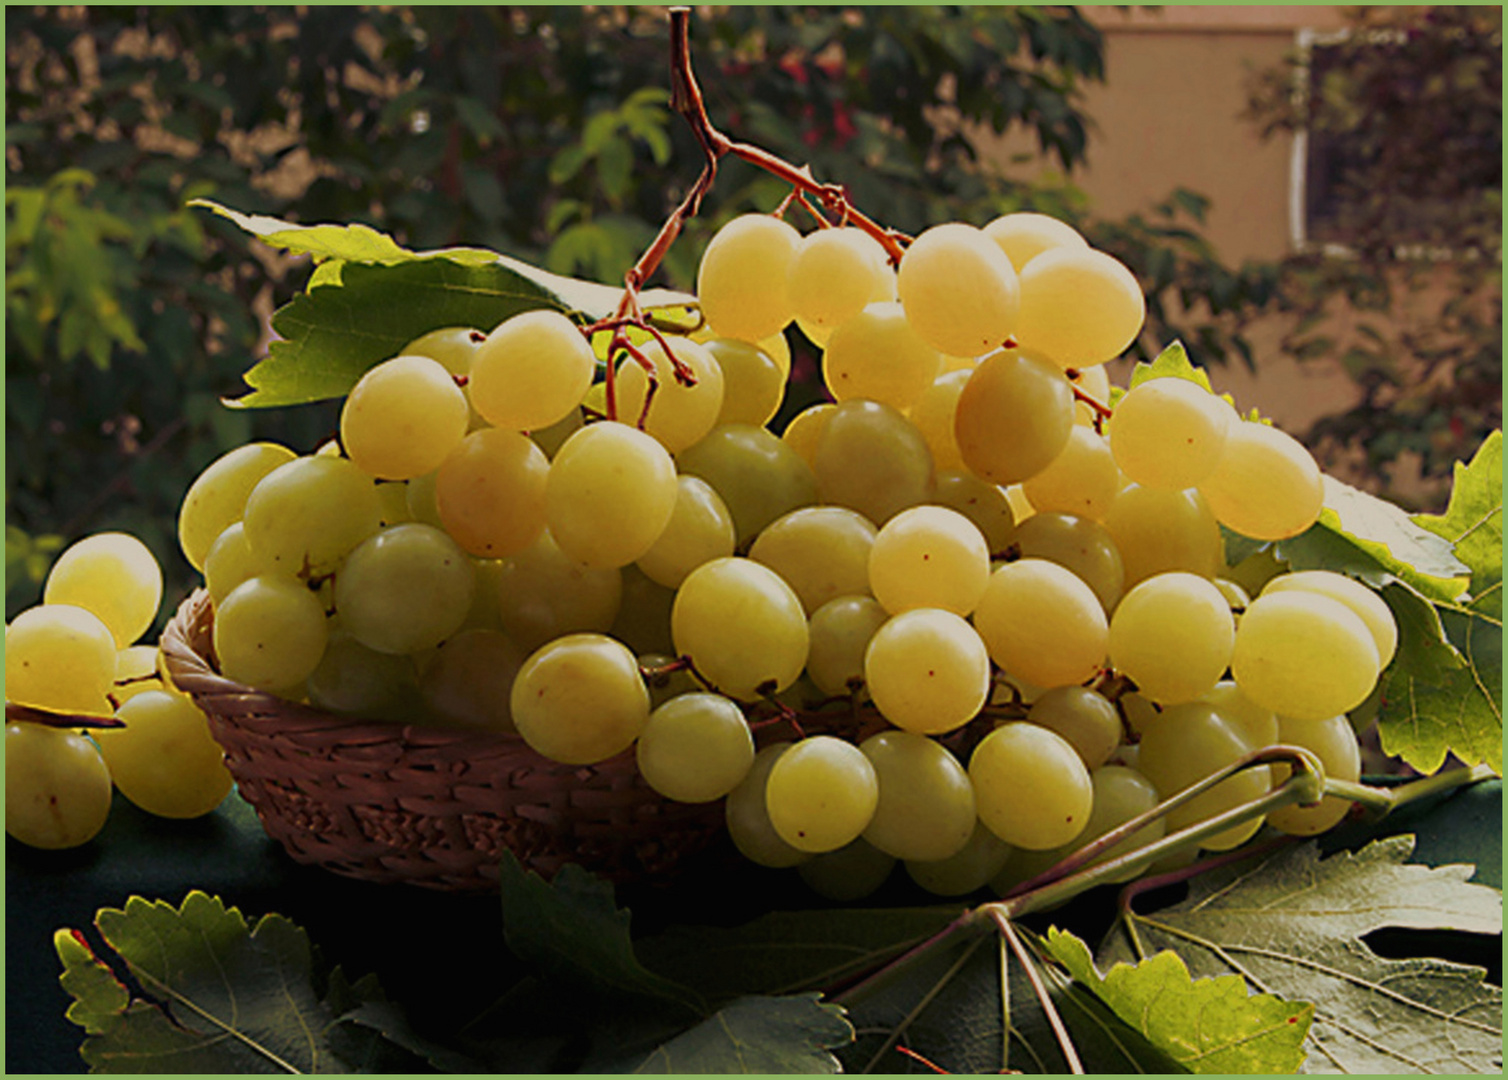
x,y
75,663
970,614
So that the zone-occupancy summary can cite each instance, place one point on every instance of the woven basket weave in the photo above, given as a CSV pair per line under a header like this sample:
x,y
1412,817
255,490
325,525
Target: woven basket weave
x,y
431,807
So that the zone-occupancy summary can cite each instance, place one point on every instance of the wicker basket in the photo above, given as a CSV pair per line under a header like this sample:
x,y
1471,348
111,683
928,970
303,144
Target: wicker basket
x,y
431,807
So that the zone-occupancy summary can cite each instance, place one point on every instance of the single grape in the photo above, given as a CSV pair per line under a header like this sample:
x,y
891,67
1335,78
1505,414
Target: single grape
x,y
1156,530
849,874
1367,605
960,290
1031,786
821,552
270,633
743,278
423,506
57,787
821,794
468,681
533,369
610,493
217,497
927,671
136,673
112,574
1188,743
929,556
835,273
877,355
1086,719
700,530
1333,741
1266,485
695,748
1078,544
840,633
1079,306
678,415
983,503
759,476
968,870
748,817
1170,432
1024,235
642,621
406,589
1014,416
454,347
1258,726
403,417
543,593
490,492
753,382
1043,624
871,459
305,516
359,681
165,760
926,805
1172,635
933,413
1082,480
1304,655
804,431
61,658
742,626
580,699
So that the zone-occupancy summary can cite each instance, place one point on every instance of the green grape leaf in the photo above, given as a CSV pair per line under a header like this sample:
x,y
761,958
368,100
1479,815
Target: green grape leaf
x,y
794,1034
571,931
1370,538
222,996
948,1005
1443,692
1207,1025
1473,523
1172,362
1293,925
369,296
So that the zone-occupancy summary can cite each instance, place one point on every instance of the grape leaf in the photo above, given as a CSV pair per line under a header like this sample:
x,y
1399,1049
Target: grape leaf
x,y
223,997
571,931
1292,925
793,1034
1443,692
947,1006
1473,523
369,296
1370,538
1172,362
1206,1025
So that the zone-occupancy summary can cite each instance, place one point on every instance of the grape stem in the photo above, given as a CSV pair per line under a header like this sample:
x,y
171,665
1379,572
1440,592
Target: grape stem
x,y
48,718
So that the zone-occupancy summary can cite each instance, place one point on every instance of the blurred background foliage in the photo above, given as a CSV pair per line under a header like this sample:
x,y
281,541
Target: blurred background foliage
x,y
546,133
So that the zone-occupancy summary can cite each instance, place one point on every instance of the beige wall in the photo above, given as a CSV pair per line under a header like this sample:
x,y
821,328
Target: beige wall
x,y
1170,115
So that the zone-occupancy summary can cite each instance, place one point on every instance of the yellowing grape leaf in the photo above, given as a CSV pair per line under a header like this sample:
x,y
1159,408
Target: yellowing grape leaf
x,y
369,296
1473,523
1172,362
222,997
794,1034
1292,925
1206,1025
